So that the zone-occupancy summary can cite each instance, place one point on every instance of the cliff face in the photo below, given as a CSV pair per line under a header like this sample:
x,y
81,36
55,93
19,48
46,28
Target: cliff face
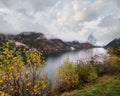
x,y
39,41
114,43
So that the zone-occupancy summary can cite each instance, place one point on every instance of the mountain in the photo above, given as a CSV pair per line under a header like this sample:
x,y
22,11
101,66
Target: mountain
x,y
114,43
77,45
47,46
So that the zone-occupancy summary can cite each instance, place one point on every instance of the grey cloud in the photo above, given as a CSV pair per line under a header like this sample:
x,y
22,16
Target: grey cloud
x,y
92,11
109,28
108,36
110,21
35,4
117,2
4,26
61,18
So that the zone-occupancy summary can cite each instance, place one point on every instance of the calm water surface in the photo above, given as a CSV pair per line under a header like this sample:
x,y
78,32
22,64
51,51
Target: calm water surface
x,y
53,62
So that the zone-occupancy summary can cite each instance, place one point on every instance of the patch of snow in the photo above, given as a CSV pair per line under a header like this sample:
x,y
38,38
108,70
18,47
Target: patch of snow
x,y
72,48
19,44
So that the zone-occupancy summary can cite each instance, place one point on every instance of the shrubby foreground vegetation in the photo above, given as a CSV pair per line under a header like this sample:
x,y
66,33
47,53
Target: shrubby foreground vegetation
x,y
20,71
70,76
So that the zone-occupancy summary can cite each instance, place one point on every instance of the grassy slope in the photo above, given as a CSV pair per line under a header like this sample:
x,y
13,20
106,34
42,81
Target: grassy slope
x,y
109,87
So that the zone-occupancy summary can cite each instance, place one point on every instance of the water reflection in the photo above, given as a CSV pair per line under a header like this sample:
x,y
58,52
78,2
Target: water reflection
x,y
54,61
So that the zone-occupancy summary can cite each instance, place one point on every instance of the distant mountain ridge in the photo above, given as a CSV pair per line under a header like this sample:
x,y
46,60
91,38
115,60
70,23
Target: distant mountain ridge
x,y
114,43
48,46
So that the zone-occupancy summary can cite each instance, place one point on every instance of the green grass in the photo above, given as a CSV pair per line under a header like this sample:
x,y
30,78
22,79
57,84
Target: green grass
x,y
109,87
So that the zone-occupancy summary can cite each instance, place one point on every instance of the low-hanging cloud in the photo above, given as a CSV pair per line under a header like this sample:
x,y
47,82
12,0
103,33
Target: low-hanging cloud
x,y
64,19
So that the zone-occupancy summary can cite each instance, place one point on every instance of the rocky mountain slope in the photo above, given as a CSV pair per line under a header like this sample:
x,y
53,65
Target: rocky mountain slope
x,y
39,41
114,43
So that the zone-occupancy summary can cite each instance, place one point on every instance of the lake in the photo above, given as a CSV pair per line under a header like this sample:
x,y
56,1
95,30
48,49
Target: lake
x,y
54,61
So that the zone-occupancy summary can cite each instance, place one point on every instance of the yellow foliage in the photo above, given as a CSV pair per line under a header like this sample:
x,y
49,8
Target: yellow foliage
x,y
4,94
18,75
66,76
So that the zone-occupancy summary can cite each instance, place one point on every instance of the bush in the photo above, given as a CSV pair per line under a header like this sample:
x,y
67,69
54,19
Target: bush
x,y
101,68
114,51
18,78
113,65
66,77
70,75
86,73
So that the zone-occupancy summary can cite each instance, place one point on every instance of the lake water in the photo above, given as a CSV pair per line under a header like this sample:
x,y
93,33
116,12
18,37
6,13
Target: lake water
x,y
53,62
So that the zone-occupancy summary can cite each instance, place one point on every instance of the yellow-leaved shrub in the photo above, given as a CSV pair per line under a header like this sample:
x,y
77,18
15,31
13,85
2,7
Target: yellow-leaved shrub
x,y
66,77
20,71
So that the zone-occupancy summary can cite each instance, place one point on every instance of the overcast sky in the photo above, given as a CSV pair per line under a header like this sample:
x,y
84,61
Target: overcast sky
x,y
64,19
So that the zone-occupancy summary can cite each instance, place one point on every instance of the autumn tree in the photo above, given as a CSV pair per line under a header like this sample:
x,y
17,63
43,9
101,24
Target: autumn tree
x,y
20,71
